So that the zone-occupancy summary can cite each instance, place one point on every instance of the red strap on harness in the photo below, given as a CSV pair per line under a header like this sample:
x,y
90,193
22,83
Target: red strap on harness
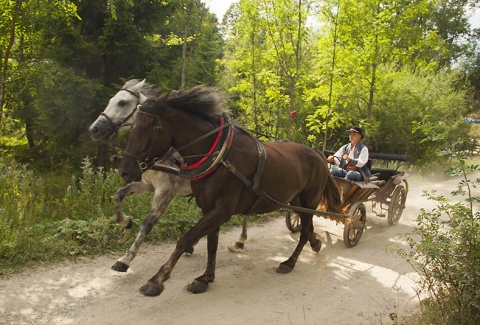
x,y
212,149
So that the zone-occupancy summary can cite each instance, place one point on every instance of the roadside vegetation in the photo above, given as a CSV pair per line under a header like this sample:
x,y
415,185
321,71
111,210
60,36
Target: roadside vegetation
x,y
444,249
49,218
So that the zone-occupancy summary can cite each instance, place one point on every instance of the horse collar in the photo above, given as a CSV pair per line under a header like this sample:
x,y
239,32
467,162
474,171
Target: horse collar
x,y
217,152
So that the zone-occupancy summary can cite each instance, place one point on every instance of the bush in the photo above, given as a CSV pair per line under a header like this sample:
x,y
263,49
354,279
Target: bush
x,y
57,217
46,219
444,249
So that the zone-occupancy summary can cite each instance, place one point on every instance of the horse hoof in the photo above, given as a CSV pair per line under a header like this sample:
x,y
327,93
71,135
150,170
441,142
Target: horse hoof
x,y
150,290
237,248
316,248
130,224
189,250
284,269
120,267
197,287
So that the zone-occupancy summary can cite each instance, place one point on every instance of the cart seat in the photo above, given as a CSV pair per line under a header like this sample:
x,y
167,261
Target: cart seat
x,y
382,174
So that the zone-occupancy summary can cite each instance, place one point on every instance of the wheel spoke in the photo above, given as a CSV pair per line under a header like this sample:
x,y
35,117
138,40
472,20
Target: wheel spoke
x,y
292,219
397,205
354,229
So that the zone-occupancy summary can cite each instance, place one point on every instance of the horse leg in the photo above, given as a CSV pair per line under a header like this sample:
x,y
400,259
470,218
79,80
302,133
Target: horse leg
x,y
211,220
305,235
154,286
160,201
240,243
200,284
131,189
315,242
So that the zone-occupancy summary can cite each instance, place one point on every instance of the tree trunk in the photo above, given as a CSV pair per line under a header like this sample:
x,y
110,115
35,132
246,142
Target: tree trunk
x,y
6,56
29,134
184,58
373,76
372,91
293,79
254,80
332,74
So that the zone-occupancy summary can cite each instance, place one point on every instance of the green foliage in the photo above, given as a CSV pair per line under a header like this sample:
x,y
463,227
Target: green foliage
x,y
66,57
85,198
40,223
366,50
444,249
418,113
334,63
44,219
266,64
21,193
52,217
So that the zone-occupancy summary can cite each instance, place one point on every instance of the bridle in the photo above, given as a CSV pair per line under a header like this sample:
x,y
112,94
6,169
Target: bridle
x,y
116,126
145,162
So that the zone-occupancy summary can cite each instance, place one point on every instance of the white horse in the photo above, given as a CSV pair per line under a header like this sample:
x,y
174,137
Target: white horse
x,y
117,117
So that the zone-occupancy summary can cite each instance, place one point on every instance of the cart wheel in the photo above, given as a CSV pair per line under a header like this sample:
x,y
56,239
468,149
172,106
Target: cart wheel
x,y
353,230
292,219
397,204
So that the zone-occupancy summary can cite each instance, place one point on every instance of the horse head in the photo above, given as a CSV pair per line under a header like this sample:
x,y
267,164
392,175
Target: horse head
x,y
186,121
120,111
149,141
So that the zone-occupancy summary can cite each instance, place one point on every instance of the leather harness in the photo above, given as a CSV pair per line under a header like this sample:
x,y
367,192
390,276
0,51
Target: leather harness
x,y
219,154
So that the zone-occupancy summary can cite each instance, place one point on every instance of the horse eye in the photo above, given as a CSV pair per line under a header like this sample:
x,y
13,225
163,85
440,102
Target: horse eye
x,y
122,103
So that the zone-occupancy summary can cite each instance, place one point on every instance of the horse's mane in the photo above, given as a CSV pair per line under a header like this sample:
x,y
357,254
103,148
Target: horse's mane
x,y
200,100
148,89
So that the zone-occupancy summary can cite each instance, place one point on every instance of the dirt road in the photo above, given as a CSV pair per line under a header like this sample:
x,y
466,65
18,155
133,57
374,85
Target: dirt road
x,y
338,285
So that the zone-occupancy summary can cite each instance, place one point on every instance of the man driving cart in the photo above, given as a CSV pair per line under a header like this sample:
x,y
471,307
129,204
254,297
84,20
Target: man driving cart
x,y
351,158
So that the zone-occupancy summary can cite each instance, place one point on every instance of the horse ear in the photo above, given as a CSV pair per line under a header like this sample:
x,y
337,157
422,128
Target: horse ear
x,y
138,87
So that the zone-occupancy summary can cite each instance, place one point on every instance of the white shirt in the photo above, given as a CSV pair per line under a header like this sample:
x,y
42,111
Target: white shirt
x,y
359,162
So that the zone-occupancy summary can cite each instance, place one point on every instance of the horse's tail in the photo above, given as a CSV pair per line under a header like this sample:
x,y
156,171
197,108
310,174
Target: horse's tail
x,y
332,197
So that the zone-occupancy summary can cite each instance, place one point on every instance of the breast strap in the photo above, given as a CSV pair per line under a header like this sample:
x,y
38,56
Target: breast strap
x,y
253,185
219,150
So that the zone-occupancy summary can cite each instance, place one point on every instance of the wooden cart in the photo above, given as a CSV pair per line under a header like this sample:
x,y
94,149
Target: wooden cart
x,y
386,190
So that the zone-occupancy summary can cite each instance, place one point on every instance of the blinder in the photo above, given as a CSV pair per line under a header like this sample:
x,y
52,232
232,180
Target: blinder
x,y
145,162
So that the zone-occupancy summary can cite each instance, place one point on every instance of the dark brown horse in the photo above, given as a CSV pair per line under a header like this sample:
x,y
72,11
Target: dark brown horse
x,y
231,173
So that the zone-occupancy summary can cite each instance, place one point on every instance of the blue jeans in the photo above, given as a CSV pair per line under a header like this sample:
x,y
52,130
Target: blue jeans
x,y
351,175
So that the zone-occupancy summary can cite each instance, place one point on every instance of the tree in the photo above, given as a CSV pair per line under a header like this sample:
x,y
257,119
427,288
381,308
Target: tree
x,y
266,53
12,11
62,47
366,36
418,113
19,19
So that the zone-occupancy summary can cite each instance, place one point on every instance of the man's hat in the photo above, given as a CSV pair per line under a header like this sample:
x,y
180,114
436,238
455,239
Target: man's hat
x,y
356,129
